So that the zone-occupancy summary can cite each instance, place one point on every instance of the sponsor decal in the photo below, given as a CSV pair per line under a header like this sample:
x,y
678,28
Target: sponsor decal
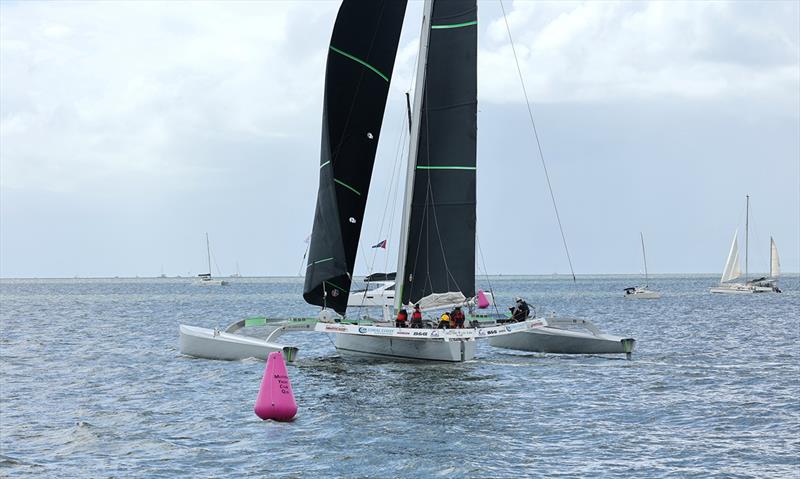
x,y
377,331
335,328
434,334
403,333
482,332
420,333
508,328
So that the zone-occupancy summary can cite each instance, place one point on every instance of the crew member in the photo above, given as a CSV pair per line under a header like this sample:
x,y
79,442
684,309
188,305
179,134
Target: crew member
x,y
402,316
520,311
416,317
458,317
444,321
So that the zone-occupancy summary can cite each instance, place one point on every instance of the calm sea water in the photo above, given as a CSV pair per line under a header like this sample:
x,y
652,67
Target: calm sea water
x,y
92,385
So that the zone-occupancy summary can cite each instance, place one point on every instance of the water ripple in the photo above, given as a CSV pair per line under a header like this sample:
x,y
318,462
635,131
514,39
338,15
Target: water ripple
x,y
93,386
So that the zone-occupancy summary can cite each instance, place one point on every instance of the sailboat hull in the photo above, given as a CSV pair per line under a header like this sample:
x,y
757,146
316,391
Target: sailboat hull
x,y
741,289
212,344
643,294
412,349
563,341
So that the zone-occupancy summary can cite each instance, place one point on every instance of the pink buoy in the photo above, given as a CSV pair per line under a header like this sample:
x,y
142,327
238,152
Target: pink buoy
x,y
275,398
483,303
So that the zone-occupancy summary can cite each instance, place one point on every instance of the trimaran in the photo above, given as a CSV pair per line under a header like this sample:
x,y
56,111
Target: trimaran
x,y
436,264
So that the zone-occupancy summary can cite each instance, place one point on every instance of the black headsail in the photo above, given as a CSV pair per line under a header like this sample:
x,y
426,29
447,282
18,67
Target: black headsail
x,y
440,256
360,63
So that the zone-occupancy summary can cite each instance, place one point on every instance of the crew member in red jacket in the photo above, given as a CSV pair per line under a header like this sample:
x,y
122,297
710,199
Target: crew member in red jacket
x,y
416,317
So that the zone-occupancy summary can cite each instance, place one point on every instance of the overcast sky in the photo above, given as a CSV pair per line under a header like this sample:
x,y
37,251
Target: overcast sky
x,y
128,130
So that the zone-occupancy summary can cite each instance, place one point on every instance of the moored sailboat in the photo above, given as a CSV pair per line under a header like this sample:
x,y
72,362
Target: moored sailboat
x,y
642,292
733,271
205,278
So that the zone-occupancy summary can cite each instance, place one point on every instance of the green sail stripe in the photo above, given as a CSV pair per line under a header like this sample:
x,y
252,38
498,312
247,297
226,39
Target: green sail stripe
x,y
348,186
453,25
324,163
335,285
319,261
355,59
423,167
255,322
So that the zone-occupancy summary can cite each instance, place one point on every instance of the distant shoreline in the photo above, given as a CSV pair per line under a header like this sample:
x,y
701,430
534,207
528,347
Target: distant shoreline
x,y
360,278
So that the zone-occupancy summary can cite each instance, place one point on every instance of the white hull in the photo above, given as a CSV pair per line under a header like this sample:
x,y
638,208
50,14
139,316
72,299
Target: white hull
x,y
553,339
213,282
738,288
642,294
421,349
214,344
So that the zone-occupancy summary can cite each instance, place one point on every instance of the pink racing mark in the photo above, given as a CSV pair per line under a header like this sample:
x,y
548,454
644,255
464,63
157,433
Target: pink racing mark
x,y
275,397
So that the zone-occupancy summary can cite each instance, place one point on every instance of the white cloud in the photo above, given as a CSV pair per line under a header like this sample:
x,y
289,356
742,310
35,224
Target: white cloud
x,y
91,92
97,93
633,50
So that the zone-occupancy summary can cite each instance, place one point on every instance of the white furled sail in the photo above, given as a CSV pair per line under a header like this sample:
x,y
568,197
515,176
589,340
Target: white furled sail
x,y
442,300
774,261
732,268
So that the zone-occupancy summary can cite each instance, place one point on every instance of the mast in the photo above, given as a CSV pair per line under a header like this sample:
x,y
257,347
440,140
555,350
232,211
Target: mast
x,y
746,237
208,252
413,149
644,256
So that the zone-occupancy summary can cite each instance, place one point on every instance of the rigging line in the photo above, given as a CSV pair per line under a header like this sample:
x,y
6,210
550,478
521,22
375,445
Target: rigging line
x,y
214,260
538,143
485,272
441,247
389,234
399,149
398,153
303,261
429,194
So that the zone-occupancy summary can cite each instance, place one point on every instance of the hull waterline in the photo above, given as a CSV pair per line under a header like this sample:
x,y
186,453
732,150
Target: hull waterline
x,y
412,349
563,341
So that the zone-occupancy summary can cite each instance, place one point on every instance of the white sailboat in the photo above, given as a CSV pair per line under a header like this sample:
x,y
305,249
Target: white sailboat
x,y
733,271
205,278
642,292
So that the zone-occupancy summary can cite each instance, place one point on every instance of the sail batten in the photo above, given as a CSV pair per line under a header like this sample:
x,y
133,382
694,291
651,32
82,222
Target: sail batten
x,y
356,59
361,57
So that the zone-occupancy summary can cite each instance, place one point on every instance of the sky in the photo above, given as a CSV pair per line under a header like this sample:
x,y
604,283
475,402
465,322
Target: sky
x,y
128,130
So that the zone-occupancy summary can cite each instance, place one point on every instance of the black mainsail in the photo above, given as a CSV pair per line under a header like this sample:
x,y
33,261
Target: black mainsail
x,y
440,253
360,63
